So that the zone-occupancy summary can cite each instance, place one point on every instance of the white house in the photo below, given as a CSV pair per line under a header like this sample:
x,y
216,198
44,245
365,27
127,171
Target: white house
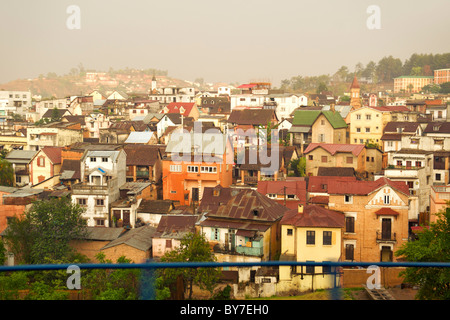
x,y
102,174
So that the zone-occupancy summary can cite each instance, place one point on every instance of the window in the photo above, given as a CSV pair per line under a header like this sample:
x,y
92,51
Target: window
x,y
100,222
309,269
361,140
418,164
175,168
169,243
205,169
310,157
104,159
350,224
400,163
291,196
99,202
438,177
321,137
348,199
215,234
327,238
349,251
322,122
390,143
41,162
82,201
358,117
349,160
193,169
290,232
93,159
326,269
387,199
367,129
368,117
358,129
324,158
310,237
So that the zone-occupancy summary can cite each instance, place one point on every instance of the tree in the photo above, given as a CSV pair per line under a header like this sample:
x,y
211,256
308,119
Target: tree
x,y
193,248
6,173
432,245
298,166
114,284
45,231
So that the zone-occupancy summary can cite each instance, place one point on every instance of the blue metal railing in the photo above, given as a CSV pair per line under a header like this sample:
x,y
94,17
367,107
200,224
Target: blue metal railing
x,y
150,266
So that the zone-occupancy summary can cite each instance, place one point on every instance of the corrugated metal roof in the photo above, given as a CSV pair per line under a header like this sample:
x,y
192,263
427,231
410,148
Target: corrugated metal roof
x,y
139,238
139,137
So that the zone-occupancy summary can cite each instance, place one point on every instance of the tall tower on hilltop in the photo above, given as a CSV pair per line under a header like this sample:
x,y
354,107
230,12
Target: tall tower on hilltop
x,y
355,99
153,84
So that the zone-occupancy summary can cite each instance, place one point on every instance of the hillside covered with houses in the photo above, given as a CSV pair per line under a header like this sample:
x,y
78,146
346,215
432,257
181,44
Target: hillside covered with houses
x,y
264,174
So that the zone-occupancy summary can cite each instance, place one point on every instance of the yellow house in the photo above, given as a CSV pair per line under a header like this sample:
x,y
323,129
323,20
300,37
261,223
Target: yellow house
x,y
310,233
45,164
366,125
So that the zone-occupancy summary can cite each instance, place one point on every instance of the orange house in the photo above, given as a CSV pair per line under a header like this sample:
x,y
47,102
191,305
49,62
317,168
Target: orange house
x,y
206,160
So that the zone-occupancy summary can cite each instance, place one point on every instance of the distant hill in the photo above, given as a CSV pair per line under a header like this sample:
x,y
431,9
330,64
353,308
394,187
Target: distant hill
x,y
131,81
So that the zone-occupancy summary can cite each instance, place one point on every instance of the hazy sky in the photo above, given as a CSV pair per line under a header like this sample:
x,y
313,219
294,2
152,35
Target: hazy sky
x,y
230,41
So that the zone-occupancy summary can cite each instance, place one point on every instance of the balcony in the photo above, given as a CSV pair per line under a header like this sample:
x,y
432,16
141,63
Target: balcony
x,y
254,248
142,174
389,237
250,180
91,188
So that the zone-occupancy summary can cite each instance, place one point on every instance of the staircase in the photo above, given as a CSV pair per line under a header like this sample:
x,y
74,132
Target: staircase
x,y
379,294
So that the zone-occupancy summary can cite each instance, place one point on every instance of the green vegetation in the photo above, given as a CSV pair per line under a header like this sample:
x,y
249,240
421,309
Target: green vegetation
x,y
193,248
44,231
432,245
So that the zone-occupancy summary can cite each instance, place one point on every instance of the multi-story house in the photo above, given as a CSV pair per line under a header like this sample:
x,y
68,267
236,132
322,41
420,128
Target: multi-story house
x,y
335,155
45,164
376,218
193,161
366,126
166,95
95,122
20,161
317,126
314,234
286,103
242,225
57,134
103,172
16,102
144,162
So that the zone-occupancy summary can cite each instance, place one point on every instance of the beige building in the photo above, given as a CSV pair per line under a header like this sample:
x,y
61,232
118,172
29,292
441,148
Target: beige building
x,y
411,83
335,155
310,233
376,218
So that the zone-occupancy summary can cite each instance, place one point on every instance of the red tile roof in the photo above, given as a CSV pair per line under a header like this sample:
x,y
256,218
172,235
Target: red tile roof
x,y
53,153
366,187
386,212
320,183
334,148
355,83
314,216
174,107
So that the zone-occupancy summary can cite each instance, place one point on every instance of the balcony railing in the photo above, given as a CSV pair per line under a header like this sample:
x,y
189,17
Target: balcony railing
x,y
142,174
386,236
250,180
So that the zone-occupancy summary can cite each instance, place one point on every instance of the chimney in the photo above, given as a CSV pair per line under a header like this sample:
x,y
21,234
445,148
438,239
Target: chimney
x,y
332,108
300,208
